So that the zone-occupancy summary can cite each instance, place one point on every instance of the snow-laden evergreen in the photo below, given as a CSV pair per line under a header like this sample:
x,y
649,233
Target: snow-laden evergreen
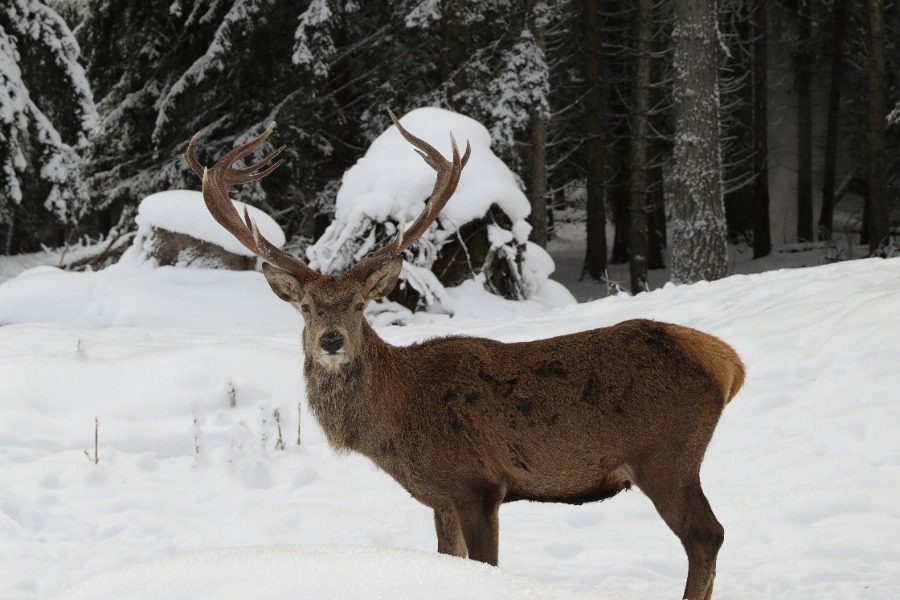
x,y
893,117
46,114
221,53
518,91
314,46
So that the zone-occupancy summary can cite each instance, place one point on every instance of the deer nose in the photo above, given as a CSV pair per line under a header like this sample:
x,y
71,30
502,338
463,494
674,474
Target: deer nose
x,y
331,342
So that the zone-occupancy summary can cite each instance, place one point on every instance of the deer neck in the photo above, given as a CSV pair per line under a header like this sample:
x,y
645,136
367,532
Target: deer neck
x,y
346,401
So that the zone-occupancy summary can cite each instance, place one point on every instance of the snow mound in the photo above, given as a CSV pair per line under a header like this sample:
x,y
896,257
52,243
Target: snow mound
x,y
389,185
391,182
184,211
315,573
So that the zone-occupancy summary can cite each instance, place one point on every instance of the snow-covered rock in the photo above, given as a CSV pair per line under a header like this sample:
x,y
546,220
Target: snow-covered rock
x,y
389,185
175,228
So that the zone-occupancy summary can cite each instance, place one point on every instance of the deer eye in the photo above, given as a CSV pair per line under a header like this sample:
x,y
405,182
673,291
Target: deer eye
x,y
360,306
305,308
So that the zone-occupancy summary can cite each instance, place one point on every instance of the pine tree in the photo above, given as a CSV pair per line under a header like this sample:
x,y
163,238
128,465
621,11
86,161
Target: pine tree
x,y
595,258
762,240
698,213
826,216
46,114
803,73
736,117
877,202
638,248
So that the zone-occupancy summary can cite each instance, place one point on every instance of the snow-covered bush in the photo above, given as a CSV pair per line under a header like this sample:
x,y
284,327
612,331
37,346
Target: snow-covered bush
x,y
175,228
481,232
46,114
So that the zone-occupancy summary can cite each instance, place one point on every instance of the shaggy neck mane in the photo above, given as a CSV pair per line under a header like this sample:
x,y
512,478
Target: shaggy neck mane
x,y
343,399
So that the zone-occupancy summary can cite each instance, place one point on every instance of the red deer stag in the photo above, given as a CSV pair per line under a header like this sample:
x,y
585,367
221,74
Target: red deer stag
x,y
466,424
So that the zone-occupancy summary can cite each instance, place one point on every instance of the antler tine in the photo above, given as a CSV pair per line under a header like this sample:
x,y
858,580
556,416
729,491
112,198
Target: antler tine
x,y
252,169
218,180
233,155
444,186
448,174
190,155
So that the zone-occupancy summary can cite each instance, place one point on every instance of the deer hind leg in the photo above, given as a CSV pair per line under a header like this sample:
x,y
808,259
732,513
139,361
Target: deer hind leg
x,y
479,517
449,533
684,508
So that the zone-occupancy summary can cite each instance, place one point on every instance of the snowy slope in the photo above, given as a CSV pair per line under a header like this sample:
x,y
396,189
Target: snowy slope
x,y
321,572
804,470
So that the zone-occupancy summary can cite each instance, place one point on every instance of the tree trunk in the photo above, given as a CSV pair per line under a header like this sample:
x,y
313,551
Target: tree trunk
x,y
739,200
640,106
618,21
803,73
699,248
826,216
453,55
656,153
878,226
537,191
762,239
618,194
595,255
8,243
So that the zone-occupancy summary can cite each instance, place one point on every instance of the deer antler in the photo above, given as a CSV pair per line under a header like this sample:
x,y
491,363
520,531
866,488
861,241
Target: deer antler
x,y
448,174
219,179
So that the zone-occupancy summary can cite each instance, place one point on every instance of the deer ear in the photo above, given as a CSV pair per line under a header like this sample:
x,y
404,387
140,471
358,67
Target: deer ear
x,y
381,282
286,286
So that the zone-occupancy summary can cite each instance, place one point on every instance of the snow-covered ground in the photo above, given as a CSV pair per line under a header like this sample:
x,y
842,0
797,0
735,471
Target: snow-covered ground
x,y
191,498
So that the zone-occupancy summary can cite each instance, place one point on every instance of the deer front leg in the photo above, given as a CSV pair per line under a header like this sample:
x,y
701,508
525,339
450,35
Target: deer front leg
x,y
449,533
479,518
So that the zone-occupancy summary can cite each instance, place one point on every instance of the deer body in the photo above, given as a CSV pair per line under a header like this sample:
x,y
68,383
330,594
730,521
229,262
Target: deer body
x,y
465,424
555,420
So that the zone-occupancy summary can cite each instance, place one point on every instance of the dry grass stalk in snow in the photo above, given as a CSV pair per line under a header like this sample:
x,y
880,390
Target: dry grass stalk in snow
x,y
96,456
279,441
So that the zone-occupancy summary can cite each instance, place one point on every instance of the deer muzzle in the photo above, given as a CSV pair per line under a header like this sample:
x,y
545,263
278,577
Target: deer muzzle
x,y
332,349
331,342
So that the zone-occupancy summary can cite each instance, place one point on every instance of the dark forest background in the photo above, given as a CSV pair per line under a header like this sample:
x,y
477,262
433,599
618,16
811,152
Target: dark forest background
x,y
587,101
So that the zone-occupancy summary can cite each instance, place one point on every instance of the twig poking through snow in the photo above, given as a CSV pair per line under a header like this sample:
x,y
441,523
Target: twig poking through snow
x,y
232,394
612,287
279,443
96,457
263,429
196,431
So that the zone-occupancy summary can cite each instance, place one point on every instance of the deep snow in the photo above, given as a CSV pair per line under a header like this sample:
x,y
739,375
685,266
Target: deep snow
x,y
804,470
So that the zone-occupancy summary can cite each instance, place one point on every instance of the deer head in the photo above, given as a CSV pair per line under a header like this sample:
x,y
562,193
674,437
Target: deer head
x,y
332,306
